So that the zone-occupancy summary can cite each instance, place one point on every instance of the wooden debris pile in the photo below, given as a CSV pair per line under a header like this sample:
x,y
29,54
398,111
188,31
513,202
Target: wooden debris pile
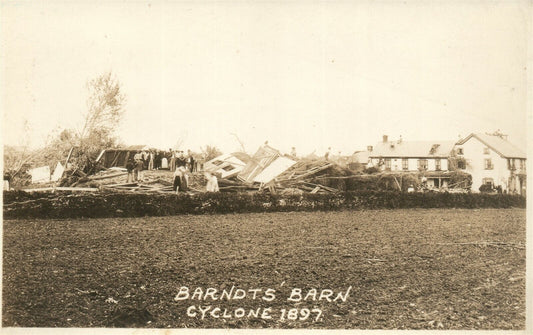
x,y
310,176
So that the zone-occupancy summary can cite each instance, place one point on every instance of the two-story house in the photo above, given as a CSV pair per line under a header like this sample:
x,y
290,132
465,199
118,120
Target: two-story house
x,y
413,156
492,159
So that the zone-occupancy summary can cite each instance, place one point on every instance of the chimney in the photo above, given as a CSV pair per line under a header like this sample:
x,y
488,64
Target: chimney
x,y
369,148
400,140
385,138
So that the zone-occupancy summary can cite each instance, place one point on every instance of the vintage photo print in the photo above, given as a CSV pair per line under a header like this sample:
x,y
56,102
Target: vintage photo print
x,y
213,166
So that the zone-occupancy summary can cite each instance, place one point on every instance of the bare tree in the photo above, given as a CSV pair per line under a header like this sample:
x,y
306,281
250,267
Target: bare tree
x,y
105,106
209,152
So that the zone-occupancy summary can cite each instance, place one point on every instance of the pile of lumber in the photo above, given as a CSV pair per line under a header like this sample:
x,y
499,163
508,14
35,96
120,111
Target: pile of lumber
x,y
302,176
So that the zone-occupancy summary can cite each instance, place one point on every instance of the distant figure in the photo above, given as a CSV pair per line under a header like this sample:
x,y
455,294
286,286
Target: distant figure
x,y
293,152
326,155
172,161
181,160
181,179
424,181
178,176
151,160
137,173
146,160
212,182
157,160
130,166
164,163
191,160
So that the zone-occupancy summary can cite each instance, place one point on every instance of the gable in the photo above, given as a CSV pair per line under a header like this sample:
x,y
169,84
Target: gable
x,y
502,147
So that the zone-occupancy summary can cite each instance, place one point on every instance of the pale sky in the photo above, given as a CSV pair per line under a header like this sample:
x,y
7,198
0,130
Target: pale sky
x,y
306,74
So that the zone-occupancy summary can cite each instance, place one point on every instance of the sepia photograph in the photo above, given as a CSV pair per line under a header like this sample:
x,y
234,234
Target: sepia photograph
x,y
261,165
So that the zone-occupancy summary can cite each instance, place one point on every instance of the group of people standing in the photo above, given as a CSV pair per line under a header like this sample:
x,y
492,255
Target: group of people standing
x,y
159,160
174,160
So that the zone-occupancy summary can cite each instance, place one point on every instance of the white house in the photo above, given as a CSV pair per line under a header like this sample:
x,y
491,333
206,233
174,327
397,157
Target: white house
x,y
413,156
492,159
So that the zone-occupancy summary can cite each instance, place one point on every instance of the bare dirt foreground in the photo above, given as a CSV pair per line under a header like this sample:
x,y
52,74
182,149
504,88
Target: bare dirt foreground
x,y
391,269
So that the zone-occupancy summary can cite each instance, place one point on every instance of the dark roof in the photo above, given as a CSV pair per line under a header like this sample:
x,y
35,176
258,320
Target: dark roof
x,y
128,148
413,149
503,147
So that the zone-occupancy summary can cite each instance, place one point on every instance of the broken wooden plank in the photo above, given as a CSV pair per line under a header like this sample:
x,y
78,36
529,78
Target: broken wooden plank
x,y
48,189
120,184
86,189
111,175
310,172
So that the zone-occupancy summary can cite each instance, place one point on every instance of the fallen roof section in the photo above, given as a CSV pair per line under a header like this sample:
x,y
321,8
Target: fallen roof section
x,y
264,156
227,165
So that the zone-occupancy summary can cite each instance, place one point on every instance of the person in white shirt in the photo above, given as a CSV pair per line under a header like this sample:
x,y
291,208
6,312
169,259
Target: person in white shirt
x,y
212,182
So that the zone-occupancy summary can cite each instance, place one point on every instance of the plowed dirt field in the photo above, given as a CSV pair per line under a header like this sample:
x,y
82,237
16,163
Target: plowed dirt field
x,y
394,269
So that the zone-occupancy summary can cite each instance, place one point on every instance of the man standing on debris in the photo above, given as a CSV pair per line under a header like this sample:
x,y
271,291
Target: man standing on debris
x,y
146,159
293,152
326,155
191,160
137,175
172,160
130,165
180,180
157,161
151,160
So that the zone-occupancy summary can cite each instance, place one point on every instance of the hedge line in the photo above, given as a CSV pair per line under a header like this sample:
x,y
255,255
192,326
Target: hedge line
x,y
68,205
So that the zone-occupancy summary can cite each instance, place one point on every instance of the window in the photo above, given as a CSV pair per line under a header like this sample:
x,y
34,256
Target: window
x,y
437,164
405,164
387,164
228,168
511,164
460,151
217,162
422,164
488,164
486,151
488,181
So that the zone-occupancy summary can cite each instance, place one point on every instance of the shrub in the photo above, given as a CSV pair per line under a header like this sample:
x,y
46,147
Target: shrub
x,y
486,188
371,170
19,204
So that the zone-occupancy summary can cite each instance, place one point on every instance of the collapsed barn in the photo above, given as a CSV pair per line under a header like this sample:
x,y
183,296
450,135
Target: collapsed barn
x,y
268,170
